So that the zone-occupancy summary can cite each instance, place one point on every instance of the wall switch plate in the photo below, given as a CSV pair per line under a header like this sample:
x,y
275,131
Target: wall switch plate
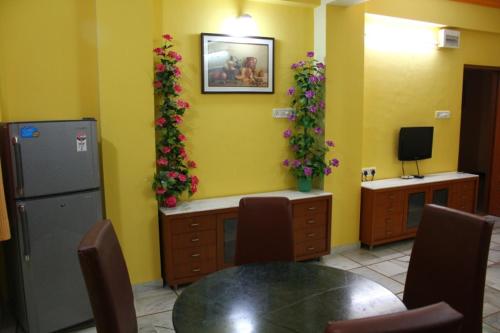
x,y
282,112
369,172
443,114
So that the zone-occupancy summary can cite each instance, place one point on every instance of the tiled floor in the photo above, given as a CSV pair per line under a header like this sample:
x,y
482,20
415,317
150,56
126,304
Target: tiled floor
x,y
386,265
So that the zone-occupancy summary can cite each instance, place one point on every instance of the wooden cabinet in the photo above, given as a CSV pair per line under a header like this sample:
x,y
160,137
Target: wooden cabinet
x,y
392,209
199,237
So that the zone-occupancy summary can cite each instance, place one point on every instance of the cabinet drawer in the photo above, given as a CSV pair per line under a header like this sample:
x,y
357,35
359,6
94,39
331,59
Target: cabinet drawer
x,y
309,208
190,224
194,239
307,234
388,203
388,227
194,254
194,268
309,221
310,247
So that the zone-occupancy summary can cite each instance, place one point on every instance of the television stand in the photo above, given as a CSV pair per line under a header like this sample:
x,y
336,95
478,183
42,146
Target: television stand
x,y
418,176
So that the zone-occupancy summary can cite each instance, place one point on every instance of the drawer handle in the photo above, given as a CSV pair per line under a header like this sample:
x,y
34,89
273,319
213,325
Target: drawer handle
x,y
195,240
311,221
311,208
194,255
196,270
310,248
312,234
193,225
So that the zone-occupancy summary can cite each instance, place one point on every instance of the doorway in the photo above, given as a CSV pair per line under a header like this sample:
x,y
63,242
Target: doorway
x,y
479,151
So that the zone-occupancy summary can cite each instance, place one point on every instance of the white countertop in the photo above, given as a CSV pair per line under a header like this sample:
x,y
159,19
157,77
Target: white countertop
x,y
233,201
431,178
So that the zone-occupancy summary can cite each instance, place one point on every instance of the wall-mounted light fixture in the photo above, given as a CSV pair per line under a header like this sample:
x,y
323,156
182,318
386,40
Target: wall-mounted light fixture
x,y
243,25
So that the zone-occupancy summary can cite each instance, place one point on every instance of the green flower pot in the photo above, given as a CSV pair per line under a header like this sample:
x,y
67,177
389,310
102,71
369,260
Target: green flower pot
x,y
304,184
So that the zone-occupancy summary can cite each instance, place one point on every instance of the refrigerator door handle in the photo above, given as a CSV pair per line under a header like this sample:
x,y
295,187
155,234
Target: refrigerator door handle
x,y
24,227
19,166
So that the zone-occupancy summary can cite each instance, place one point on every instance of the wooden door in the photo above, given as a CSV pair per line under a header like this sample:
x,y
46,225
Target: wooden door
x,y
226,238
494,191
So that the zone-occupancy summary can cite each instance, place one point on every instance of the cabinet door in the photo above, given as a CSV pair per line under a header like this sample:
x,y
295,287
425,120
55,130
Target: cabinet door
x,y
415,201
226,239
463,195
439,195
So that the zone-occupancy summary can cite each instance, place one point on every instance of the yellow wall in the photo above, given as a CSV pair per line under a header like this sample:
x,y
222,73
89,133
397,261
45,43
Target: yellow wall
x,y
47,60
237,144
344,116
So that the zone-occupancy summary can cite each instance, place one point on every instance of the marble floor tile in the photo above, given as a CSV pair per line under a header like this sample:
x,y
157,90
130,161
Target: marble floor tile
x,y
401,278
86,330
489,329
388,283
159,322
147,287
390,267
403,245
339,261
155,301
493,276
495,238
493,320
494,255
366,257
494,246
400,296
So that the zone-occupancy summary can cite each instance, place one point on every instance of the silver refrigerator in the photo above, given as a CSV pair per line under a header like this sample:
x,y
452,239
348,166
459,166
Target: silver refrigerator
x,y
51,172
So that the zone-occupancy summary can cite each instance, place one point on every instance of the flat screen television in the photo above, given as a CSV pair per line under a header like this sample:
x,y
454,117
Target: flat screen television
x,y
415,143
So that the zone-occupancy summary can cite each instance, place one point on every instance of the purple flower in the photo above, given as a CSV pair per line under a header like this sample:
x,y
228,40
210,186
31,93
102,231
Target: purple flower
x,y
313,108
322,104
292,116
295,148
330,143
320,65
294,66
318,130
327,171
287,133
310,54
301,63
321,78
313,79
309,94
308,171
286,162
291,91
296,163
335,163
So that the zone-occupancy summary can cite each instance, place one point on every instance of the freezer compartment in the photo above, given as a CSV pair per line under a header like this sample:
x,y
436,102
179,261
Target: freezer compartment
x,y
49,158
49,231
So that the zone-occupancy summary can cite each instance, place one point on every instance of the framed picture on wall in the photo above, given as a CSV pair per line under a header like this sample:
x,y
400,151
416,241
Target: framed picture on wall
x,y
237,64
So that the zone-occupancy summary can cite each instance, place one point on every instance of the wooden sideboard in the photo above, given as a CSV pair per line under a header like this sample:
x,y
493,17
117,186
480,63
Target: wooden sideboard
x,y
199,237
391,209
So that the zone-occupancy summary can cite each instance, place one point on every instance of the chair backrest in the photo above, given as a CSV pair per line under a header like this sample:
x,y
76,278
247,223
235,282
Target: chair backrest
x,y
107,280
448,263
435,318
264,231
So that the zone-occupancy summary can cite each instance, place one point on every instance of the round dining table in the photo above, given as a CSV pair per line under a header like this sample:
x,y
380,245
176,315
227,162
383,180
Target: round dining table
x,y
279,297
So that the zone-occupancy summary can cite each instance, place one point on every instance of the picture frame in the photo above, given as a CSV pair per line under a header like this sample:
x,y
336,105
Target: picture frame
x,y
242,65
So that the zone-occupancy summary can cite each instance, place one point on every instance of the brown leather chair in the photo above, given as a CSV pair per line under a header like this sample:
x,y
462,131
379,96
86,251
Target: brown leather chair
x,y
264,231
448,263
436,318
107,280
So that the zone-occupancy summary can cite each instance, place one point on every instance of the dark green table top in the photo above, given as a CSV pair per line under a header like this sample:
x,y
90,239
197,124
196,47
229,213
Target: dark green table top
x,y
278,297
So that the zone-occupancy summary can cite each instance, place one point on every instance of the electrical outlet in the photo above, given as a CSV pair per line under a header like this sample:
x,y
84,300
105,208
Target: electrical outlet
x,y
370,171
442,114
282,112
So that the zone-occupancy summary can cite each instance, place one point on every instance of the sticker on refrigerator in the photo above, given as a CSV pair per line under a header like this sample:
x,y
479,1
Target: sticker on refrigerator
x,y
29,132
81,142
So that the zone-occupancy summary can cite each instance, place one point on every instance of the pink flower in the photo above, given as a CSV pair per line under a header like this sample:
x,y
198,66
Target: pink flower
x,y
310,54
194,188
178,57
160,68
177,88
191,164
167,37
160,190
160,121
166,149
287,133
194,180
172,54
159,51
162,161
171,201
172,174
157,84
308,171
177,71
181,137
182,177
182,152
177,118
